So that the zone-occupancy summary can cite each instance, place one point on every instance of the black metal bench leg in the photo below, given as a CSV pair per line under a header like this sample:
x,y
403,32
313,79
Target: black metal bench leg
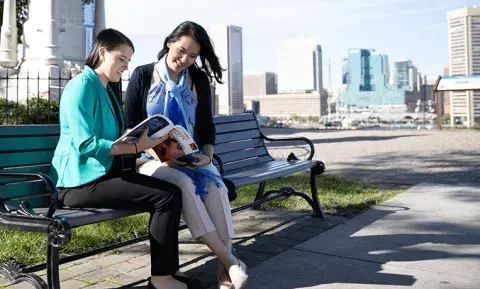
x,y
317,208
314,172
53,273
58,235
260,192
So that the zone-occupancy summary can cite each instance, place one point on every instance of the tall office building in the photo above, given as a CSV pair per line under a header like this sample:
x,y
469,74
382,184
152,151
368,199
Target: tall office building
x,y
368,82
89,21
227,40
464,55
446,70
345,71
300,66
367,70
256,84
445,95
406,74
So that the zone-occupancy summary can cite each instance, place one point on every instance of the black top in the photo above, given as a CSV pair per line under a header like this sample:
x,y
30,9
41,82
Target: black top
x,y
136,101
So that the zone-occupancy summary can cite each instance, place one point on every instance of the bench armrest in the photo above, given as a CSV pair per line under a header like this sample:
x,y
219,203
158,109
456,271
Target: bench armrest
x,y
220,164
49,185
309,142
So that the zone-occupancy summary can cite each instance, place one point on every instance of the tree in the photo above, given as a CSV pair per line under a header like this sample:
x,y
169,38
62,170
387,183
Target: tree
x,y
22,15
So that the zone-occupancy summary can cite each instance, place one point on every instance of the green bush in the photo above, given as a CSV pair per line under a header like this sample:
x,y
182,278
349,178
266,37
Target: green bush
x,y
35,111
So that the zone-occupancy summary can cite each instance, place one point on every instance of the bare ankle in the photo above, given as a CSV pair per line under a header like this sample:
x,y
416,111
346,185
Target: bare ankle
x,y
167,282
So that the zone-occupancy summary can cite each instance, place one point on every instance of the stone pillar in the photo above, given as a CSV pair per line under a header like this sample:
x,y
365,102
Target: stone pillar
x,y
8,42
51,32
72,34
41,33
99,17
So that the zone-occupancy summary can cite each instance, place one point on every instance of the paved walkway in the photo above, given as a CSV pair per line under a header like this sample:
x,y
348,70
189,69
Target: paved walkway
x,y
260,235
395,156
426,237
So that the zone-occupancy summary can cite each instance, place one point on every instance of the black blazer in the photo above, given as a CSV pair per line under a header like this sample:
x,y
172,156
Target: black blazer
x,y
136,101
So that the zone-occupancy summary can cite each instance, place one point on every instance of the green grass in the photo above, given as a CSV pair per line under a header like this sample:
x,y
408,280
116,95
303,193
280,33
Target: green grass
x,y
338,195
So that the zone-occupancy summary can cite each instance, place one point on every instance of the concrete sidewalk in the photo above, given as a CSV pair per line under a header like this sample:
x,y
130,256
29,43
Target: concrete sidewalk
x,y
260,235
426,237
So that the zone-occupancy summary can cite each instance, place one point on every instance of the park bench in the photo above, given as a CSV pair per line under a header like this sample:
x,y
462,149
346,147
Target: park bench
x,y
28,197
244,160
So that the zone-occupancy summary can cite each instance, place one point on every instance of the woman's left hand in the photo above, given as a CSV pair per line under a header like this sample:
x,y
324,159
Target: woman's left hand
x,y
203,160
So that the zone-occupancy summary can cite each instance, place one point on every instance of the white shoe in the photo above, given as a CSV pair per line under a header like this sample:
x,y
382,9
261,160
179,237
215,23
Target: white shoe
x,y
238,275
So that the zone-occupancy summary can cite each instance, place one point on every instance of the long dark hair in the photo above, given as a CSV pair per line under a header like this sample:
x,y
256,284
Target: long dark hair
x,y
210,62
110,39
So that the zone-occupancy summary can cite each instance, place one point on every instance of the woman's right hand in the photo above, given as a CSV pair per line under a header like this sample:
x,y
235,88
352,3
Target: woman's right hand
x,y
144,142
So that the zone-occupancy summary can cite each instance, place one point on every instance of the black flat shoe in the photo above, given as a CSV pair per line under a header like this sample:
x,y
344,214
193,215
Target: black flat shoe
x,y
191,283
150,285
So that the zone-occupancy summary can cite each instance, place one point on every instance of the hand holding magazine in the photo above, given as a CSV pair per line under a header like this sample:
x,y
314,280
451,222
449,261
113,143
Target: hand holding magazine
x,y
178,141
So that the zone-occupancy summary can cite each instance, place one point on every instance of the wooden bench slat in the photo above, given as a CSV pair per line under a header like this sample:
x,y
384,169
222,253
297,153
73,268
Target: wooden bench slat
x,y
80,217
236,126
29,130
244,154
29,143
232,118
23,190
263,167
255,176
25,158
246,163
36,202
237,146
45,168
236,136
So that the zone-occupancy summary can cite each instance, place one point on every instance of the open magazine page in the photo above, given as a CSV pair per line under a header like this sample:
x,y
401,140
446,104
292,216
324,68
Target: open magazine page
x,y
158,126
178,143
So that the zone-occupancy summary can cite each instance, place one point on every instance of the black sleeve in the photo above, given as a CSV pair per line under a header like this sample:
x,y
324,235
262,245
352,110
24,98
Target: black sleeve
x,y
204,127
134,100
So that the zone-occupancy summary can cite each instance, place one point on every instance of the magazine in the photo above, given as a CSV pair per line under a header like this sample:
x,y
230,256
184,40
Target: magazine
x,y
178,141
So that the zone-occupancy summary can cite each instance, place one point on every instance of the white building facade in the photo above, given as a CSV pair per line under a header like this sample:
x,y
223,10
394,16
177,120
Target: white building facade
x,y
300,66
464,59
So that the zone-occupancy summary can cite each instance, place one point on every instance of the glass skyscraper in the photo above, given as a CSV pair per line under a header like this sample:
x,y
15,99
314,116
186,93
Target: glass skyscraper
x,y
405,74
367,76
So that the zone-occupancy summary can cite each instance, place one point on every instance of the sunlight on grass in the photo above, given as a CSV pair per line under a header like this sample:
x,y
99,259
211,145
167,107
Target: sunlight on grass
x,y
338,195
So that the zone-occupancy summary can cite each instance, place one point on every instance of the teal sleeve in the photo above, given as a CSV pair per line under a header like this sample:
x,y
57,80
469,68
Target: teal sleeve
x,y
78,103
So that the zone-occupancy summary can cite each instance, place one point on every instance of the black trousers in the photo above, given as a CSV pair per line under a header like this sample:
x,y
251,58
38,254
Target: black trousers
x,y
132,191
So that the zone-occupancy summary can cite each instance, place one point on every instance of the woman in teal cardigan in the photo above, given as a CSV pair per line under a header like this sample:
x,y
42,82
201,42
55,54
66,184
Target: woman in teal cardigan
x,y
88,163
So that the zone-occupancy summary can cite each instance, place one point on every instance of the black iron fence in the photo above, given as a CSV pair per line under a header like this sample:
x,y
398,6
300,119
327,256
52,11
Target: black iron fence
x,y
34,98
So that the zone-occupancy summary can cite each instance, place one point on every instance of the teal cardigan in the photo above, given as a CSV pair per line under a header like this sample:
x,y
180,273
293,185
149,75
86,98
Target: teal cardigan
x,y
88,127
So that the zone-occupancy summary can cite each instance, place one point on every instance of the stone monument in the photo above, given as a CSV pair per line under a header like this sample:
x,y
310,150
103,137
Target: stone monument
x,y
54,32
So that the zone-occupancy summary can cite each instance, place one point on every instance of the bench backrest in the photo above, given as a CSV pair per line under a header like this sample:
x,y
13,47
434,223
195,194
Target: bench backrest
x,y
238,141
30,148
26,149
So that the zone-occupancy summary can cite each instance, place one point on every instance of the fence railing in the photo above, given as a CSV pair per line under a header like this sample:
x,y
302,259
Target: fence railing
x,y
34,97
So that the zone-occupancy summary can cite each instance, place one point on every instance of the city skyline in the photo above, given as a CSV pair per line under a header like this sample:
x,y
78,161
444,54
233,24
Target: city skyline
x,y
399,28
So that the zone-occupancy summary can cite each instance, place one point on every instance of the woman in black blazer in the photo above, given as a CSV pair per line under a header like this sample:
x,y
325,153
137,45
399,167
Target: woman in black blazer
x,y
178,88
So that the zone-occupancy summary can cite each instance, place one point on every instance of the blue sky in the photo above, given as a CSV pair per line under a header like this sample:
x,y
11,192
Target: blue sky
x,y
416,29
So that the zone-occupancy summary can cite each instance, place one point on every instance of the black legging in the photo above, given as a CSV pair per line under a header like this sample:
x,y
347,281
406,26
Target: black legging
x,y
142,193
